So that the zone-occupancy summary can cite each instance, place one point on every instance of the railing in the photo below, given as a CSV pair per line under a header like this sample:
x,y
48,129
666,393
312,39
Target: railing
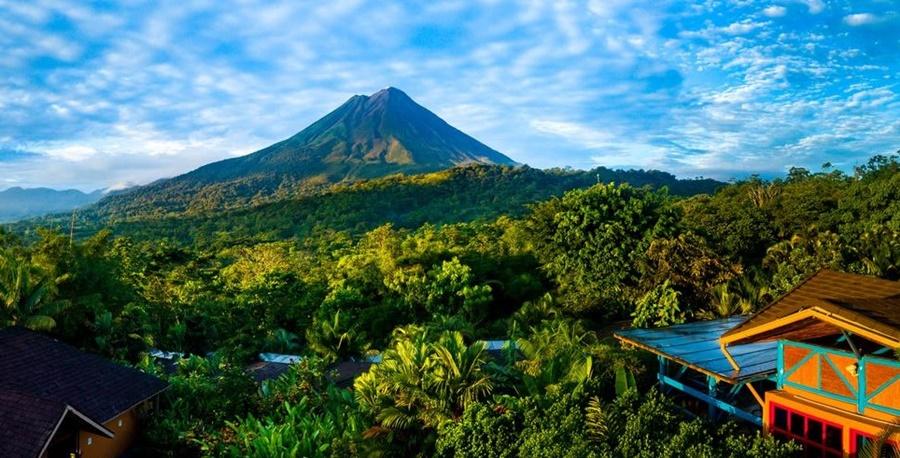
x,y
866,383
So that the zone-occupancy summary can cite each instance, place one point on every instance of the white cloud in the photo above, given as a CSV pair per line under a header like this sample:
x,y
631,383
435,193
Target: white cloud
x,y
734,29
72,153
583,135
815,6
859,19
775,11
617,82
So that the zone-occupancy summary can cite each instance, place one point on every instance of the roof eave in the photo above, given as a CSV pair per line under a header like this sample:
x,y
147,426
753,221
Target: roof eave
x,y
832,314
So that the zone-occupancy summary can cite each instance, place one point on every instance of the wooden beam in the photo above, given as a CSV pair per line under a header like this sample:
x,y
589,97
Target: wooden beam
x,y
719,404
728,356
820,314
759,399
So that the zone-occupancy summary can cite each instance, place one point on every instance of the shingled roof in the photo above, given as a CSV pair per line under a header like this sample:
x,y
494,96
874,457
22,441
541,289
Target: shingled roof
x,y
46,368
27,423
869,302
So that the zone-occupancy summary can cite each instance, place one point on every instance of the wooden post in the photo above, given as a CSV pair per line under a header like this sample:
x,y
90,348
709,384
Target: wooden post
x,y
712,391
861,386
663,365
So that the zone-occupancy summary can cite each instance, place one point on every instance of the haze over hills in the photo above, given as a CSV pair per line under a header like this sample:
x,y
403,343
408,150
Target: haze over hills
x,y
17,203
366,137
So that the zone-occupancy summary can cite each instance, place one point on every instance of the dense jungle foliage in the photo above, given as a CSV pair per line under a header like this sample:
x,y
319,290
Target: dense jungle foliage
x,y
554,278
460,194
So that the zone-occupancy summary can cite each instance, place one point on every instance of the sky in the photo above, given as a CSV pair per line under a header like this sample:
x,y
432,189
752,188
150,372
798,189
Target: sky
x,y
110,94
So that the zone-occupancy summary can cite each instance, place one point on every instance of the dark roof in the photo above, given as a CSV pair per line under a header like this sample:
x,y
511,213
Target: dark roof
x,y
49,369
696,345
344,373
27,423
265,370
868,301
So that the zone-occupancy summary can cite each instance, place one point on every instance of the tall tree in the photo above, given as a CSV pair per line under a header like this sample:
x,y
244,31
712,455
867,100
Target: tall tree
x,y
592,241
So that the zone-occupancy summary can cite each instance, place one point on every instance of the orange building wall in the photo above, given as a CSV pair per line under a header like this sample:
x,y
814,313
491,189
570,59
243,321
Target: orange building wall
x,y
816,371
102,447
849,421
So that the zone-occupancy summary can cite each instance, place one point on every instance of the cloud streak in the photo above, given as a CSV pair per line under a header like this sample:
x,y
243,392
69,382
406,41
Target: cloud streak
x,y
100,95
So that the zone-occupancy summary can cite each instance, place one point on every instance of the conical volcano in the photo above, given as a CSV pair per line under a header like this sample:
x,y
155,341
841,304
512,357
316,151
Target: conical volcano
x,y
366,137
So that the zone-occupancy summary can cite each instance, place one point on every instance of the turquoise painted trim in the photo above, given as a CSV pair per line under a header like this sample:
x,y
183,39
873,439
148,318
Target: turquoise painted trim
x,y
889,410
819,349
827,394
840,375
883,387
721,405
882,361
779,366
861,398
712,390
819,370
881,351
800,363
861,383
734,391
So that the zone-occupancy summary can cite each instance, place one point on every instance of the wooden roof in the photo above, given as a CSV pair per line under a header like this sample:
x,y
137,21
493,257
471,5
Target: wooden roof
x,y
825,304
696,345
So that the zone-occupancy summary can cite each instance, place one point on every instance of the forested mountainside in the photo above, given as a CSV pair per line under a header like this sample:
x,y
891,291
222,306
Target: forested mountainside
x,y
550,278
18,203
459,194
366,137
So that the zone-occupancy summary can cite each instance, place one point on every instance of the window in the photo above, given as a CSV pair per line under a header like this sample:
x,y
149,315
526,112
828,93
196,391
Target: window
x,y
781,419
797,425
819,438
813,429
833,437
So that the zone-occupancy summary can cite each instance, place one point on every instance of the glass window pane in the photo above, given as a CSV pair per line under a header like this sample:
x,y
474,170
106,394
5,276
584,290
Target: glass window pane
x,y
781,418
797,424
814,430
833,438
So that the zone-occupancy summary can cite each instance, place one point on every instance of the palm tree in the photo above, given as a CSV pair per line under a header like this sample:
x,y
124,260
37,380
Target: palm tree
x,y
726,303
423,382
457,379
334,338
555,356
27,294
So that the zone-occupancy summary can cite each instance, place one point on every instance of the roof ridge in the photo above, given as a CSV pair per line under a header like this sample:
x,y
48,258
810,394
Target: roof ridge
x,y
776,300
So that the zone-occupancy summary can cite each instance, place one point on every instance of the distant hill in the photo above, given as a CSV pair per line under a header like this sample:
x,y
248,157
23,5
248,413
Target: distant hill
x,y
18,203
455,195
366,137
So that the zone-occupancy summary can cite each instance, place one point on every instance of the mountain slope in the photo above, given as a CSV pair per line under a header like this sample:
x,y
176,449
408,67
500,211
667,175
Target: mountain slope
x,y
18,203
458,194
366,137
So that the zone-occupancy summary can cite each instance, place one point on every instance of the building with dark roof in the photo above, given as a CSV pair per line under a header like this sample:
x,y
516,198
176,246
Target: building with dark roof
x,y
56,400
818,365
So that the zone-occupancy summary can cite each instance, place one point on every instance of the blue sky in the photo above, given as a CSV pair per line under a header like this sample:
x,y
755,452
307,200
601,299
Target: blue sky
x,y
105,94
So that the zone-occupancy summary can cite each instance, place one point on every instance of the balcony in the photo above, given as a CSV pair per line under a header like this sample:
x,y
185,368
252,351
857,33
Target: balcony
x,y
869,386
